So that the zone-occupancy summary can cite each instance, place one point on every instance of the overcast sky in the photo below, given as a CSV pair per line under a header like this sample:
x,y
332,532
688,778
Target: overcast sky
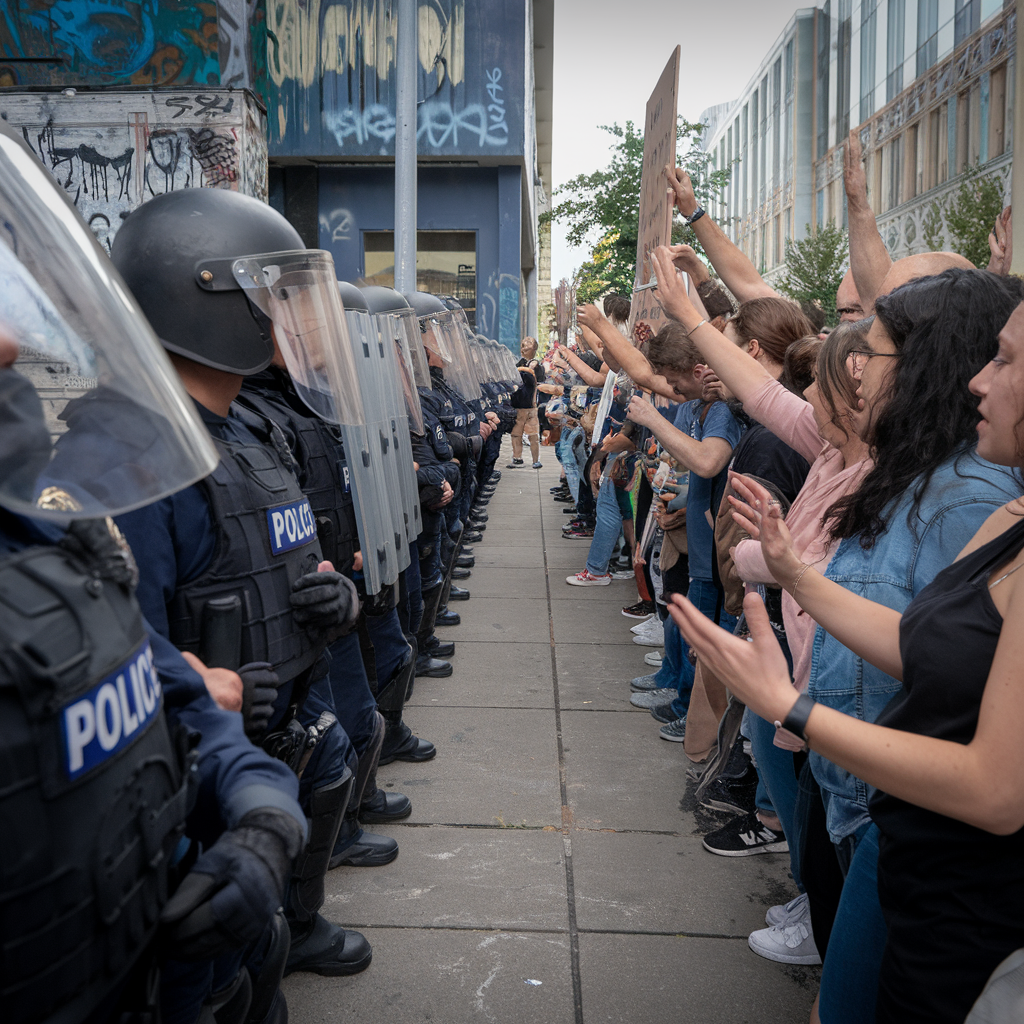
x,y
608,55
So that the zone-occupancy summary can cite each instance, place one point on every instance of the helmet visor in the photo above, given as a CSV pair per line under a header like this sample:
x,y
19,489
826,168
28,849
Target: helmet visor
x,y
407,365
93,419
459,372
298,291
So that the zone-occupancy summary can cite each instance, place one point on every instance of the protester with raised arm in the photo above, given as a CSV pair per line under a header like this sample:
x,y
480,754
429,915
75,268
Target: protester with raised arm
x,y
732,266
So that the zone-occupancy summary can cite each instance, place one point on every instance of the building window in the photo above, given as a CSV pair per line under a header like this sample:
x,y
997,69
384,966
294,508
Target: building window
x,y
763,175
914,163
744,136
892,173
445,264
868,38
776,121
966,20
824,23
894,48
755,135
937,162
843,47
997,112
927,34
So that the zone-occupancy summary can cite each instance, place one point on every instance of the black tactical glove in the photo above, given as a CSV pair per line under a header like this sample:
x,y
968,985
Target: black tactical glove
x,y
259,691
236,886
325,601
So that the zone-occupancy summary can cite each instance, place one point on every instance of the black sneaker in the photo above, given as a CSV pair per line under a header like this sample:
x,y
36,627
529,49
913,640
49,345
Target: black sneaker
x,y
736,796
572,510
744,836
514,464
663,713
640,610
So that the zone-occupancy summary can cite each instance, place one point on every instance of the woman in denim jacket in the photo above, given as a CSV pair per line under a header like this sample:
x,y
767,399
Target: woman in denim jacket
x,y
915,512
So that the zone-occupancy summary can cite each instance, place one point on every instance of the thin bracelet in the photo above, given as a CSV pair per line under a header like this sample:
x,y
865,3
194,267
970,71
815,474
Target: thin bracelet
x,y
799,577
692,329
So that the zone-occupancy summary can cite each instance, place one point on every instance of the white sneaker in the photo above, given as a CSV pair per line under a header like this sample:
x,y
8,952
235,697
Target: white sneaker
x,y
641,627
586,578
653,658
649,640
652,636
795,910
786,944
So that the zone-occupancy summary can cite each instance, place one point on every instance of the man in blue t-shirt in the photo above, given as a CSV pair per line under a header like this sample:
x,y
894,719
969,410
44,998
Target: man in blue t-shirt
x,y
701,439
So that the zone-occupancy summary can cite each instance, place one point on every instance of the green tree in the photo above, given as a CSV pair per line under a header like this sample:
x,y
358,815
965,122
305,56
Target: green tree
x,y
608,201
931,228
815,267
970,213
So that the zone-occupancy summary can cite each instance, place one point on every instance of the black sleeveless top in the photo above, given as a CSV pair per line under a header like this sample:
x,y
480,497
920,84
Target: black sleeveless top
x,y
953,894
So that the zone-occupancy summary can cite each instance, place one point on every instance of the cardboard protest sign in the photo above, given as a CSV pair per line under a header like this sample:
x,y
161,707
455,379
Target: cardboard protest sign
x,y
655,203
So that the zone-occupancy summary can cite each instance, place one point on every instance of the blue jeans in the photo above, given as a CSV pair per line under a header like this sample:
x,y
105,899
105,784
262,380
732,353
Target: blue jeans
x,y
775,770
703,594
606,532
849,978
673,661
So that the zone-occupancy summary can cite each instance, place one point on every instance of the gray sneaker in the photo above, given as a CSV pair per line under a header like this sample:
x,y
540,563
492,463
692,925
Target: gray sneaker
x,y
648,698
644,683
674,732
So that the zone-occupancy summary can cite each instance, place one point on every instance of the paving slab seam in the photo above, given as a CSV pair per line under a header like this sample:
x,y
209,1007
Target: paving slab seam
x,y
536,828
359,925
665,934
570,890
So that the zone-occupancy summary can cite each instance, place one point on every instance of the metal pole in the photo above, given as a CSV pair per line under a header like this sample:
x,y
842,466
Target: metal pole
x,y
405,147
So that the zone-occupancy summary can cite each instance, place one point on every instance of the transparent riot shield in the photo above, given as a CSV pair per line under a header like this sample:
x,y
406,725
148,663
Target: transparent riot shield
x,y
374,384
93,419
298,291
405,367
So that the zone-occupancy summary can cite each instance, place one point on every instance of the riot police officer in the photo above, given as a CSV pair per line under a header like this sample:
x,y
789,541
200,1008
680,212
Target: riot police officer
x,y
319,453
231,568
118,773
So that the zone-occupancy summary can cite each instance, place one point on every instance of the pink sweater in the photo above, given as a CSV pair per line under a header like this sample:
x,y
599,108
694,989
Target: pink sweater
x,y
791,419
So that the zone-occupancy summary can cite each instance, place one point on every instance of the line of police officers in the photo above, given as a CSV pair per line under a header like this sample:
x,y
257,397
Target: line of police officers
x,y
219,576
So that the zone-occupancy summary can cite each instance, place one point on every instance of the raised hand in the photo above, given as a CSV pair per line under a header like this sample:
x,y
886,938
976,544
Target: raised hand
x,y
1000,243
761,516
588,315
687,260
755,670
681,187
854,179
671,290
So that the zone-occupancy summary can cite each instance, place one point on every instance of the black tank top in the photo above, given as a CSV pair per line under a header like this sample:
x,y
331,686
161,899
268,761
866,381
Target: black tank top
x,y
953,894
948,638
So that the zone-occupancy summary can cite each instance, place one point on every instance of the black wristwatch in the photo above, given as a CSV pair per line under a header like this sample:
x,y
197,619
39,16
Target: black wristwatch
x,y
796,720
696,215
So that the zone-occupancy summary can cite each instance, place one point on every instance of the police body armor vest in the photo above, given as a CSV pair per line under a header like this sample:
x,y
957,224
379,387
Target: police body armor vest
x,y
266,540
322,470
92,797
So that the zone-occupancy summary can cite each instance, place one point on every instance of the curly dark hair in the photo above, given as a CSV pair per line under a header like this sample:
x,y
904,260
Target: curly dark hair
x,y
944,329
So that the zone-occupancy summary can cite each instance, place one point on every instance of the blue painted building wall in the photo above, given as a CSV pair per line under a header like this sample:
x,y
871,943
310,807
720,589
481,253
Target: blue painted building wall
x,y
331,68
485,200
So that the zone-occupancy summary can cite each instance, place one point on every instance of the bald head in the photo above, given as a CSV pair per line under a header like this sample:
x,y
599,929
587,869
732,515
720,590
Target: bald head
x,y
925,264
848,303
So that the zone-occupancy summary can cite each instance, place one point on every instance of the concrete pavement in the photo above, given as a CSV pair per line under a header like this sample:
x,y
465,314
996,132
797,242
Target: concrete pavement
x,y
552,870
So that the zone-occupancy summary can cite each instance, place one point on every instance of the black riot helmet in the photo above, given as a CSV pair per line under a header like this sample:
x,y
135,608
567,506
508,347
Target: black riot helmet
x,y
443,334
176,252
352,298
383,300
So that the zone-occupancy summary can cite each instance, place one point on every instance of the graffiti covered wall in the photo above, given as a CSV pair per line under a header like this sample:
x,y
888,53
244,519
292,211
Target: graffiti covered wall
x,y
108,42
112,151
331,65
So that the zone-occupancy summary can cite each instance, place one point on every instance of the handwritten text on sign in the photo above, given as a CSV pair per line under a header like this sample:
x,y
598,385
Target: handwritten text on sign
x,y
655,204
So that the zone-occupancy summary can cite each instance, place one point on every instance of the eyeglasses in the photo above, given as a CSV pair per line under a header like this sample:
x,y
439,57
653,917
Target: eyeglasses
x,y
861,357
